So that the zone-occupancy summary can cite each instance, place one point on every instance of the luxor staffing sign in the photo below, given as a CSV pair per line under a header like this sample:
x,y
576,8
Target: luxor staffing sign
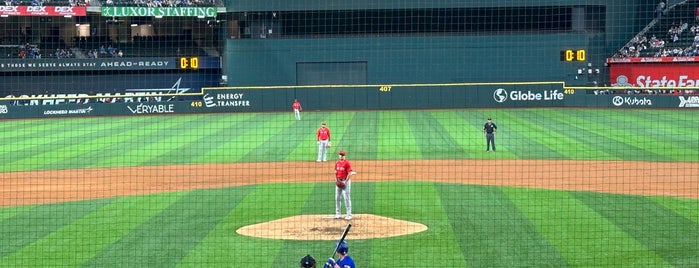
x,y
159,11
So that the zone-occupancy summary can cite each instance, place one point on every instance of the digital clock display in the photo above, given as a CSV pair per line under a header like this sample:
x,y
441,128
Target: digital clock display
x,y
573,55
189,63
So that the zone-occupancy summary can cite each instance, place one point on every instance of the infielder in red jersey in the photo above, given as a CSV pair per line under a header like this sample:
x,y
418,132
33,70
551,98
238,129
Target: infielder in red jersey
x,y
297,109
323,140
343,171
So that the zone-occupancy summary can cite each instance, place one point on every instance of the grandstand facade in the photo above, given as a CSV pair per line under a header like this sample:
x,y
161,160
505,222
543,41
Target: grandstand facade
x,y
370,42
307,42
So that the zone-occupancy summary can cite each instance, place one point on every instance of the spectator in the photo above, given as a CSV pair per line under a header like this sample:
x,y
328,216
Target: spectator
x,y
660,9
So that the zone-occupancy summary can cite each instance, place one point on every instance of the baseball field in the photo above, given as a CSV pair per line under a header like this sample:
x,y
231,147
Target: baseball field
x,y
565,188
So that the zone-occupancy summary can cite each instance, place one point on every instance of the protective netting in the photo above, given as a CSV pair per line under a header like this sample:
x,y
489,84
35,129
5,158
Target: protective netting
x,y
163,133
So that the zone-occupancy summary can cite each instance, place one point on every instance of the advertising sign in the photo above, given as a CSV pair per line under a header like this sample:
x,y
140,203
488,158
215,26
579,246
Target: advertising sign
x,y
159,11
654,59
42,11
654,75
72,88
110,64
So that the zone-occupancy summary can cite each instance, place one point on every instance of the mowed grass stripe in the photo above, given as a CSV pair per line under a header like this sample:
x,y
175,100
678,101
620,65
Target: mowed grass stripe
x,y
664,232
624,129
361,136
206,134
186,221
396,139
81,240
612,137
417,202
689,208
20,127
191,138
671,124
35,154
580,234
585,144
492,231
246,139
113,149
340,133
32,225
467,140
667,139
85,152
224,246
9,212
679,122
274,144
141,151
219,247
131,146
528,138
432,138
553,136
35,130
670,139
219,146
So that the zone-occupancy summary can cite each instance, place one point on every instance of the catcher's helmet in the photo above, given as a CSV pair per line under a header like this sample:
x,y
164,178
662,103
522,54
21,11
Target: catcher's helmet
x,y
342,248
308,262
342,152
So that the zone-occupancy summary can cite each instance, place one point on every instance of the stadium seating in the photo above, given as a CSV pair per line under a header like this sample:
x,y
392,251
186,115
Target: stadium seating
x,y
675,17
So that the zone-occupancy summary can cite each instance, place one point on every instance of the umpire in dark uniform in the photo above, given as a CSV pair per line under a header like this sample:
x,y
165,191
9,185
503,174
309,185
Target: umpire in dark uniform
x,y
489,130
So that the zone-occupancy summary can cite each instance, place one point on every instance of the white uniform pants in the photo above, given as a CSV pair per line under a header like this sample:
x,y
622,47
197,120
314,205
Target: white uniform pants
x,y
323,150
343,193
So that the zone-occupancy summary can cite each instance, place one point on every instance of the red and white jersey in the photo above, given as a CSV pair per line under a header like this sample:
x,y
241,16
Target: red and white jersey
x,y
323,133
342,169
296,105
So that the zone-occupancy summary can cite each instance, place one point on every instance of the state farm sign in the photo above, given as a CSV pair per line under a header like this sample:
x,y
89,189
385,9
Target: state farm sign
x,y
654,75
42,11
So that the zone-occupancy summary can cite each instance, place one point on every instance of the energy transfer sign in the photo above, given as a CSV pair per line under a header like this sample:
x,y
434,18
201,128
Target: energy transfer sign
x,y
159,11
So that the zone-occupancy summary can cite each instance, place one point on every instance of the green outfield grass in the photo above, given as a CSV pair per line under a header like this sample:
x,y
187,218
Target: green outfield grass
x,y
469,225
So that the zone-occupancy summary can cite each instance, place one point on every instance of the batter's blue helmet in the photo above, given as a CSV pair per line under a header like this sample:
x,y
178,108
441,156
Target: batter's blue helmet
x,y
342,248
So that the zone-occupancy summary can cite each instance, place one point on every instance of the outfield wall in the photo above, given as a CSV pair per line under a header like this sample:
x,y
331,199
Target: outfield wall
x,y
320,98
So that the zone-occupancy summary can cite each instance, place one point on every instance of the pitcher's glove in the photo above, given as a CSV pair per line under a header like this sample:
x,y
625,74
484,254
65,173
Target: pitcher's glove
x,y
328,145
340,183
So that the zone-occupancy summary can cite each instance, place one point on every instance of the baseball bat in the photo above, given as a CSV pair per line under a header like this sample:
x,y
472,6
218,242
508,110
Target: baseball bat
x,y
342,238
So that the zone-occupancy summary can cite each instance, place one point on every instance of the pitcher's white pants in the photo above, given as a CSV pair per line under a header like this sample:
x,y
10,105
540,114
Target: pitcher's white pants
x,y
343,193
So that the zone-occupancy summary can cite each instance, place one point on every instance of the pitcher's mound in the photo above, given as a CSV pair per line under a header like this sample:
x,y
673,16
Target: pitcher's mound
x,y
324,227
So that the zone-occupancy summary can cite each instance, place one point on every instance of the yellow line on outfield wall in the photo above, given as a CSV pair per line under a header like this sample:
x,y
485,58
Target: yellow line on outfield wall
x,y
383,85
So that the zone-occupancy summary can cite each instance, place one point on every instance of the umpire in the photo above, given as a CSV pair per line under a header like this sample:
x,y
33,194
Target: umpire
x,y
489,130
